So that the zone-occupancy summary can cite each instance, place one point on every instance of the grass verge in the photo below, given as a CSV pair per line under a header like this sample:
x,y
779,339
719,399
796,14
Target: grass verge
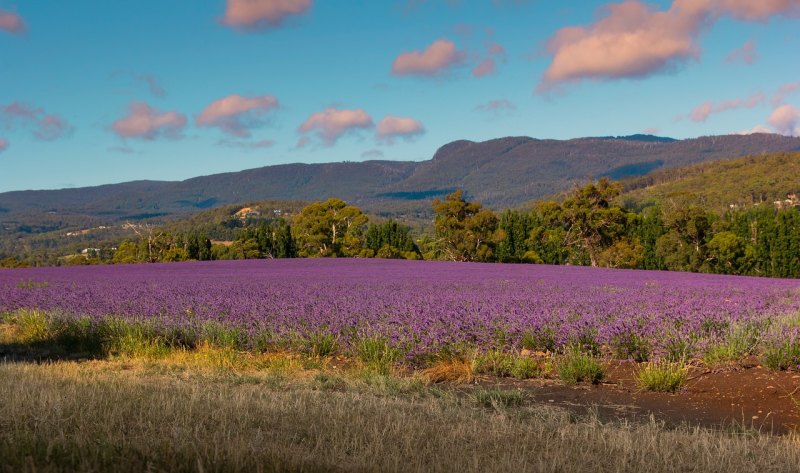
x,y
663,376
575,366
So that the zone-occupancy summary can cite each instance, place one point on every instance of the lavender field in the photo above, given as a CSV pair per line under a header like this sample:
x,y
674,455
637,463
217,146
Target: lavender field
x,y
422,308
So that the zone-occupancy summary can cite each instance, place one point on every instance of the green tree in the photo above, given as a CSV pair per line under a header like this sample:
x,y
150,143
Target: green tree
x,y
591,221
683,246
390,240
329,228
128,252
464,230
283,244
513,231
726,252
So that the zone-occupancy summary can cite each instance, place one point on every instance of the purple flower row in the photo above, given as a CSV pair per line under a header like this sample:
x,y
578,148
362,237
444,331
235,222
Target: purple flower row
x,y
420,306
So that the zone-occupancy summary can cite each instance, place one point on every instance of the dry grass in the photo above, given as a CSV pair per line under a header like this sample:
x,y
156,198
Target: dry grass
x,y
450,371
133,416
216,409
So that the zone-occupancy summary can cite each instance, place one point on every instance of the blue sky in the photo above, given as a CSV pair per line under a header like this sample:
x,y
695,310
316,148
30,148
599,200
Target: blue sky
x,y
94,92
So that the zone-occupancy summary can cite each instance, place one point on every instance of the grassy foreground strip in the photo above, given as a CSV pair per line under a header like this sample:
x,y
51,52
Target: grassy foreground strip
x,y
185,412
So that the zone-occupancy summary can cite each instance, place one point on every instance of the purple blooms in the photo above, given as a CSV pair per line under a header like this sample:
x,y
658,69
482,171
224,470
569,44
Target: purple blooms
x,y
420,306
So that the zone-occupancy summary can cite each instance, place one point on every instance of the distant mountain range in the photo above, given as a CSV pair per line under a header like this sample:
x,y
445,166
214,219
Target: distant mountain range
x,y
504,172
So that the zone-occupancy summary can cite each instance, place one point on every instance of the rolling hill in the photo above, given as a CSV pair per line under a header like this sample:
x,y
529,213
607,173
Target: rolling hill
x,y
504,172
719,185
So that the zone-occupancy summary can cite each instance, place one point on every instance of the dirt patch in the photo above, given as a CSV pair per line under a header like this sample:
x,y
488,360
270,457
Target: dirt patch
x,y
749,397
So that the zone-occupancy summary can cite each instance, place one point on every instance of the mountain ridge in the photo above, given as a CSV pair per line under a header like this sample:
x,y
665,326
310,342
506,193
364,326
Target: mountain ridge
x,y
502,172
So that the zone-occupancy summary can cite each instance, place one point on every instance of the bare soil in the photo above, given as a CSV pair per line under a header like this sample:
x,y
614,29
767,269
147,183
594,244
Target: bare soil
x,y
744,397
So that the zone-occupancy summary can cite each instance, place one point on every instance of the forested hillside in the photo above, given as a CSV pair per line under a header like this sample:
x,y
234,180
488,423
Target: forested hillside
x,y
719,185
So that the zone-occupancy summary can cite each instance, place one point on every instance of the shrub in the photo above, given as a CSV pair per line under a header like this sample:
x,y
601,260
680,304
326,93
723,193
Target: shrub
x,y
131,339
32,325
630,345
664,376
575,366
320,344
220,336
377,354
504,364
540,340
782,354
739,342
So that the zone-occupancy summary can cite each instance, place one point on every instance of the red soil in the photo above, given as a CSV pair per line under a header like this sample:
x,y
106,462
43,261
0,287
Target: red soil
x,y
749,397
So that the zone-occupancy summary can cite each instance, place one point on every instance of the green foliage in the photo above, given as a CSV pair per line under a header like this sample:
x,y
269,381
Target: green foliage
x,y
128,252
513,230
591,221
624,253
377,354
782,353
503,364
683,246
131,339
679,230
12,262
541,340
630,345
739,342
663,376
32,325
464,230
575,366
390,240
330,228
221,336
321,344
718,185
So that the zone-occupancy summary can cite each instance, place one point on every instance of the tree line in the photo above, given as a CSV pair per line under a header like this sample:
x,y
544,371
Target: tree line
x,y
587,228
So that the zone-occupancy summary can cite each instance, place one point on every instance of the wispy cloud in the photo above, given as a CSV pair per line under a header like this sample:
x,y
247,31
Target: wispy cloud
x,y
148,80
262,14
372,154
237,115
495,52
703,111
44,126
248,145
390,128
496,106
11,22
147,123
332,123
433,60
746,53
123,149
784,91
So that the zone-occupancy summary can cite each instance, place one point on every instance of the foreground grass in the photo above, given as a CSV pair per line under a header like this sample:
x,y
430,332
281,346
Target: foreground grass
x,y
172,415
139,404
